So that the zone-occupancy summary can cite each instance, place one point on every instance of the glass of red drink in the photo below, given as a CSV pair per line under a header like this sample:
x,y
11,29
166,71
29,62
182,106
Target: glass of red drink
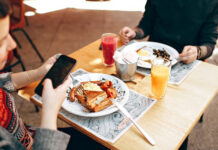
x,y
109,45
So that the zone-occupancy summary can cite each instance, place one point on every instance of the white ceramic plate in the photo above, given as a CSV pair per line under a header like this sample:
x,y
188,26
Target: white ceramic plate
x,y
155,45
77,109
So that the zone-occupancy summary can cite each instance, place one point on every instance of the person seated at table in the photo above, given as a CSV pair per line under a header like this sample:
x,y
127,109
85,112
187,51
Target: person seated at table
x,y
14,134
188,26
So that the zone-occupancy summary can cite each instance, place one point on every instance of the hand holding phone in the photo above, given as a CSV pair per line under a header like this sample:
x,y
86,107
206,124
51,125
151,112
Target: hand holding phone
x,y
58,72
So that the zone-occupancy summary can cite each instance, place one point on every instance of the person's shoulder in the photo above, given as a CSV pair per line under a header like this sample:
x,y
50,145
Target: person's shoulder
x,y
210,3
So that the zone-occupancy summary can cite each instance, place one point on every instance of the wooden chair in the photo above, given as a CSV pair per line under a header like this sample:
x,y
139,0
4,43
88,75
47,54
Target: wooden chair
x,y
18,61
17,23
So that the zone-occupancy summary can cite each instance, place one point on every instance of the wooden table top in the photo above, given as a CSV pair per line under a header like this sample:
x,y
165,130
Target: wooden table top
x,y
170,120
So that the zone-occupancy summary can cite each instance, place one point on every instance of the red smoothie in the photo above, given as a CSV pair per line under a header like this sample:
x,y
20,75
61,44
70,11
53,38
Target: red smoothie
x,y
109,45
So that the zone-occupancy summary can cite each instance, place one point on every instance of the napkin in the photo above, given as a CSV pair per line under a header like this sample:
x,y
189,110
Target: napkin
x,y
126,57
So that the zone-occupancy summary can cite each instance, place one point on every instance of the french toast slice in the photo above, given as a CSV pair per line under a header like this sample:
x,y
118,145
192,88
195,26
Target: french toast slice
x,y
92,96
104,104
92,100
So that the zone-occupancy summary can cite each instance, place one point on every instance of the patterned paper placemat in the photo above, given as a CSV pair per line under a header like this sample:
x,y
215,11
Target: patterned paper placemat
x,y
112,126
178,72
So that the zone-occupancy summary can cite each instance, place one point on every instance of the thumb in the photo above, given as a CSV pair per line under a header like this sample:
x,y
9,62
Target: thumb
x,y
129,34
50,62
63,87
47,84
125,29
53,59
184,51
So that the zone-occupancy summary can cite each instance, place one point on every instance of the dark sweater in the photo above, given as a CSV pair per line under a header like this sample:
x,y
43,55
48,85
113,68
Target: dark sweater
x,y
181,22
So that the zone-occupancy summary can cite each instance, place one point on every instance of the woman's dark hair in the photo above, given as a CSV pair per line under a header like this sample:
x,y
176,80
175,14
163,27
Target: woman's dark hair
x,y
5,8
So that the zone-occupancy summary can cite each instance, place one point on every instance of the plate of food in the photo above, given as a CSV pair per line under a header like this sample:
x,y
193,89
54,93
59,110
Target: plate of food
x,y
92,95
147,51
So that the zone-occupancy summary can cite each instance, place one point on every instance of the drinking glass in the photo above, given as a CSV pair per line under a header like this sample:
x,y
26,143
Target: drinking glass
x,y
109,45
160,73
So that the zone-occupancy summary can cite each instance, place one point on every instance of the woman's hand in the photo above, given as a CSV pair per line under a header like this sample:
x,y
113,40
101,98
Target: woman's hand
x,y
126,34
22,79
52,100
47,65
189,54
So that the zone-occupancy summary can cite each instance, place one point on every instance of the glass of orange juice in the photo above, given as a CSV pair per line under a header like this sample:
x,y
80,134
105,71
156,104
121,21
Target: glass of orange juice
x,y
160,73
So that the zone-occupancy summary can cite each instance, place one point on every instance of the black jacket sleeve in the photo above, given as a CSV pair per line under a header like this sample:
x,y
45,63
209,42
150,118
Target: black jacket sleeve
x,y
147,21
208,32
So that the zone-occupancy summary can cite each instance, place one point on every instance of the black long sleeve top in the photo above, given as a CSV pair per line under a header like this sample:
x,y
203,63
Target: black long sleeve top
x,y
181,22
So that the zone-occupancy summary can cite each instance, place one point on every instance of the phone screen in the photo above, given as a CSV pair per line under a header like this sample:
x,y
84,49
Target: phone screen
x,y
58,72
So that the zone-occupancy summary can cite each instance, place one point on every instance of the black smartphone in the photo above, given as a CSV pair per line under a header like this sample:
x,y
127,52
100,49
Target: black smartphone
x,y
58,72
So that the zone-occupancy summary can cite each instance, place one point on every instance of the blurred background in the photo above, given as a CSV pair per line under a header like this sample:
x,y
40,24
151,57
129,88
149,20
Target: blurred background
x,y
64,26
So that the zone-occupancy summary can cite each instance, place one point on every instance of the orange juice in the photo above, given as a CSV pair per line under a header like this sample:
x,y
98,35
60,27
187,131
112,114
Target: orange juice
x,y
159,79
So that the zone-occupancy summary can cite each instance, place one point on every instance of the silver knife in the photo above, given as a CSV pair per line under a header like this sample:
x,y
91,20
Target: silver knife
x,y
126,113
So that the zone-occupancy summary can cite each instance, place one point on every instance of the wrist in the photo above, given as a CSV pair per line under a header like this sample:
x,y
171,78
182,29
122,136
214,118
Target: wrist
x,y
199,51
49,120
134,34
49,123
138,33
49,111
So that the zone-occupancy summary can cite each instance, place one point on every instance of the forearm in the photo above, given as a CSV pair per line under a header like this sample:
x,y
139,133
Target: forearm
x,y
22,79
48,120
49,116
206,51
208,34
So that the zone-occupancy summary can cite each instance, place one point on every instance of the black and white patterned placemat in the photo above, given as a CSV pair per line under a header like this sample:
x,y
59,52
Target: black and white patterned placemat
x,y
112,126
178,72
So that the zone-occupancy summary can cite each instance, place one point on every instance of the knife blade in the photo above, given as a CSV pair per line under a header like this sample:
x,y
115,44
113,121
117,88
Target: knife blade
x,y
126,113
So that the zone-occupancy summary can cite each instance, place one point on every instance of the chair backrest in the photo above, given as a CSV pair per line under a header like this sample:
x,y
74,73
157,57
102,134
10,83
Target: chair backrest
x,y
16,2
17,19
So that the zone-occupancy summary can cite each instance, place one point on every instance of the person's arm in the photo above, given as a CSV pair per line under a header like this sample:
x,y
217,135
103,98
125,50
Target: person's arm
x,y
145,26
8,141
52,100
22,79
6,83
207,40
47,137
208,33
